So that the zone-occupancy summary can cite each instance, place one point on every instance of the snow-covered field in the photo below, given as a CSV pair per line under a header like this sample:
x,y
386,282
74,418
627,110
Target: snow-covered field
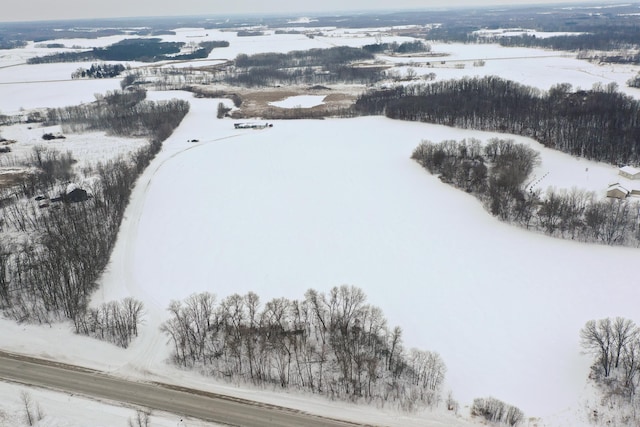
x,y
86,148
315,204
312,204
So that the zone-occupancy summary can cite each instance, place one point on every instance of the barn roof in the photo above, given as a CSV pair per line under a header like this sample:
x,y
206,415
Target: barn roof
x,y
617,186
630,170
71,187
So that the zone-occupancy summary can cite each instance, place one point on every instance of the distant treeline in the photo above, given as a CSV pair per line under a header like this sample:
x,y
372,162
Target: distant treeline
x,y
313,66
609,33
612,46
600,124
99,71
416,46
20,33
335,345
124,113
304,58
143,49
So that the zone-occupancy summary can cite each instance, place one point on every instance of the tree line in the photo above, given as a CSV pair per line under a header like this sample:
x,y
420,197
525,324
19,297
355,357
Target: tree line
x,y
313,66
499,175
417,46
140,49
599,124
124,113
303,58
609,44
51,275
115,321
99,71
331,344
304,67
269,76
496,411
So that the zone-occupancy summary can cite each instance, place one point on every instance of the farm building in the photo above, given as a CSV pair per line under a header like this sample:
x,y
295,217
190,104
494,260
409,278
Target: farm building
x,y
617,191
252,125
75,194
629,172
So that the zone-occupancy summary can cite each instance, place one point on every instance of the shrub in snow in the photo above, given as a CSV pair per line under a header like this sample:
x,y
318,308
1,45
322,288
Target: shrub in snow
x,y
497,411
115,321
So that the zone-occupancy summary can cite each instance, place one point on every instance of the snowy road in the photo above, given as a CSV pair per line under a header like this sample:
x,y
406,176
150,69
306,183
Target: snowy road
x,y
178,400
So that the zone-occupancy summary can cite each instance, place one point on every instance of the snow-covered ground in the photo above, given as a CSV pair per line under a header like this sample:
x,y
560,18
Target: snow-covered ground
x,y
532,67
502,307
315,204
86,148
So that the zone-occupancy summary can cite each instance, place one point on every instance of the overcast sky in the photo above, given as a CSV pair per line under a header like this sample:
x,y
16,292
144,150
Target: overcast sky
x,y
36,10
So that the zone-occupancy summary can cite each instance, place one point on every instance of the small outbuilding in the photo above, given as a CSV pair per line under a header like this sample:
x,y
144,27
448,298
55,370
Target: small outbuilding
x,y
617,191
75,194
252,125
629,172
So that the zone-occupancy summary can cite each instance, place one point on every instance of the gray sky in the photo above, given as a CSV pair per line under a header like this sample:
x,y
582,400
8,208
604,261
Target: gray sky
x,y
32,10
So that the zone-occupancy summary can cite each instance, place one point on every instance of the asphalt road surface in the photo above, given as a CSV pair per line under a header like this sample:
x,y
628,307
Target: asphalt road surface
x,y
174,399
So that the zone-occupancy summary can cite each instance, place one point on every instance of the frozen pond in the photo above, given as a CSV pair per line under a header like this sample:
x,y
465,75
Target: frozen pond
x,y
301,101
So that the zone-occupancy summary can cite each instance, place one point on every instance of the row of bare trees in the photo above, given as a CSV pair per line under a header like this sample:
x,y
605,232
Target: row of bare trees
x,y
498,173
51,269
114,321
335,345
124,113
55,254
599,124
496,411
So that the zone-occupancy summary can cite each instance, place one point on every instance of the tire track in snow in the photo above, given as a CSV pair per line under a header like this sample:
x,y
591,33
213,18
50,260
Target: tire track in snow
x,y
150,348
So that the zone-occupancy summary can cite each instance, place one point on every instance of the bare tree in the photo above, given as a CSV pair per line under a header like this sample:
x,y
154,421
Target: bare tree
x,y
597,337
625,332
142,418
31,414
631,365
613,343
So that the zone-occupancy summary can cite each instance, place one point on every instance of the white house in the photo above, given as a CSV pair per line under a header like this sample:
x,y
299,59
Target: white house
x,y
629,172
617,191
